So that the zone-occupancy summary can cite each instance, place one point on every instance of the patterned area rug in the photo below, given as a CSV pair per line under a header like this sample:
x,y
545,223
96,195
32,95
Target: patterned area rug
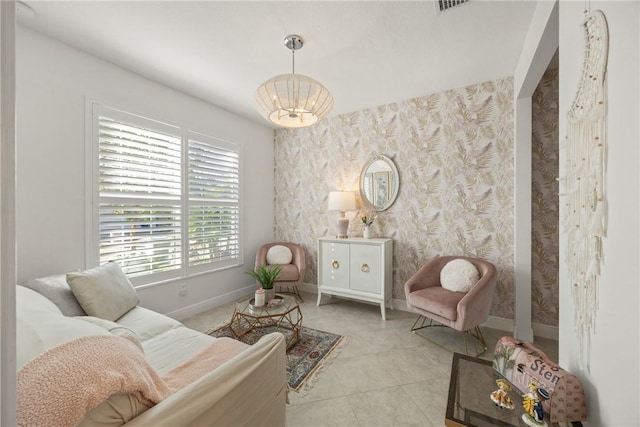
x,y
305,358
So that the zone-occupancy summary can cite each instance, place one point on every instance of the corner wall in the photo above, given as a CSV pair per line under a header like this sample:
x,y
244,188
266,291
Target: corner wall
x,y
7,214
611,377
454,153
538,49
544,202
53,83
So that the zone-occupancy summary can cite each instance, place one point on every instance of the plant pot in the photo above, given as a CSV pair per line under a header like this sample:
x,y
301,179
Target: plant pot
x,y
269,294
366,233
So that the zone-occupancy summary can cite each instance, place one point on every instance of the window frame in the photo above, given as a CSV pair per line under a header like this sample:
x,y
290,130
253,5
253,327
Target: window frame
x,y
96,109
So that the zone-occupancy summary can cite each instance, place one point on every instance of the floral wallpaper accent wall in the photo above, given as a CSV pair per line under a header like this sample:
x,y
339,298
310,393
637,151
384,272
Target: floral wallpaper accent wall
x,y
544,201
454,152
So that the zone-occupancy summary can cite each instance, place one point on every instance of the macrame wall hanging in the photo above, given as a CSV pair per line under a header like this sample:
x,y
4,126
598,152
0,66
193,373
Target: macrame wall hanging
x,y
584,184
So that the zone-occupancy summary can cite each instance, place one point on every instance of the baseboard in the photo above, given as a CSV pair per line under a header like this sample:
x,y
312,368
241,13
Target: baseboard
x,y
494,322
539,330
309,287
546,331
208,304
501,323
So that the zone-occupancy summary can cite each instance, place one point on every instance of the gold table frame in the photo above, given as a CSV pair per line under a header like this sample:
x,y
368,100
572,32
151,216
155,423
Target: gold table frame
x,y
286,315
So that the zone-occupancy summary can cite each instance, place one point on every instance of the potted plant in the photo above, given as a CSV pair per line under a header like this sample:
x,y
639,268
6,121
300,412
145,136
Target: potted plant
x,y
367,222
266,276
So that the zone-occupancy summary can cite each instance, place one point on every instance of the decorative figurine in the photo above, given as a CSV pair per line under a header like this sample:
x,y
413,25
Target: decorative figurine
x,y
500,396
532,405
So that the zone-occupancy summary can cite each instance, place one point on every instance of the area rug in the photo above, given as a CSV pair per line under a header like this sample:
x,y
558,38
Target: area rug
x,y
305,359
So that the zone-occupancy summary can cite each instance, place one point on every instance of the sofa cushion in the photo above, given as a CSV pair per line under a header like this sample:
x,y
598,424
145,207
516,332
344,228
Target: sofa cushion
x,y
57,290
166,342
103,291
279,254
459,275
115,328
40,326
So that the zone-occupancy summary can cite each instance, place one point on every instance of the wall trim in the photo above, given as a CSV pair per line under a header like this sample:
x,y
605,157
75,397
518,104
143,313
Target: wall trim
x,y
546,331
539,330
8,264
208,304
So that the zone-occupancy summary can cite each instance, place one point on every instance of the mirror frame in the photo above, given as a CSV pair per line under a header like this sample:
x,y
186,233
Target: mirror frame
x,y
393,194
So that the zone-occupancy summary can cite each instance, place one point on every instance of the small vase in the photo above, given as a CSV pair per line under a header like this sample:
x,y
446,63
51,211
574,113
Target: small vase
x,y
269,294
366,233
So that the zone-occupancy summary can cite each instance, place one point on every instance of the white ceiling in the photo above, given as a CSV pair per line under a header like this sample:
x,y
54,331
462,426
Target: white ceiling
x,y
366,53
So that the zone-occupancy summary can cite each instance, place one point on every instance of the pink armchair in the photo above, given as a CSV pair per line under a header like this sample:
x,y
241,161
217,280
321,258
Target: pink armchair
x,y
292,275
464,312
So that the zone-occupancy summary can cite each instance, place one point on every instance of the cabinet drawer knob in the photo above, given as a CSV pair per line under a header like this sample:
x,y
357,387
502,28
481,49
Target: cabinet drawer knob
x,y
364,268
335,264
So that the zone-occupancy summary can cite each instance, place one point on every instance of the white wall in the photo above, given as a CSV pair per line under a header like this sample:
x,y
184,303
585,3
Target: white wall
x,y
611,381
53,83
7,216
538,49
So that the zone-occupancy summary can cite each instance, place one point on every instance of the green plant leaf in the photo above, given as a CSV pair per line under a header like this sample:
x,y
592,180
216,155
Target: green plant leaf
x,y
266,275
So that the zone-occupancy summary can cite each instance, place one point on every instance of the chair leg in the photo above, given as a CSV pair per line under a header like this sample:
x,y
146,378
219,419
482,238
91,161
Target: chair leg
x,y
292,290
479,344
477,339
422,321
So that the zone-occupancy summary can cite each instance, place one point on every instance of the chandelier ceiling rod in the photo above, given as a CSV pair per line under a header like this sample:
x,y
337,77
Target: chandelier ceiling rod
x,y
294,43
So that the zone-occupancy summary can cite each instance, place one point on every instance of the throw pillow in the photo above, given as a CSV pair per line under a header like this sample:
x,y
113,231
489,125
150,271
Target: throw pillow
x,y
103,291
459,275
57,290
115,329
279,254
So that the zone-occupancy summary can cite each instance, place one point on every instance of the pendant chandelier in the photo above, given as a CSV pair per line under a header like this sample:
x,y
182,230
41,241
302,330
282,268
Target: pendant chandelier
x,y
293,100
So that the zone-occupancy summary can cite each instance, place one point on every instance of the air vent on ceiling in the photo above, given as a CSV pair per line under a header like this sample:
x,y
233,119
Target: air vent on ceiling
x,y
443,5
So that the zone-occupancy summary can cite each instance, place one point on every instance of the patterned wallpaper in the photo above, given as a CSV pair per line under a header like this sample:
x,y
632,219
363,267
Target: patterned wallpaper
x,y
454,152
544,206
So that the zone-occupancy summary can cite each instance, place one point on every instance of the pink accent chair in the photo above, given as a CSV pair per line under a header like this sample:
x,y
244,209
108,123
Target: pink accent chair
x,y
464,312
292,275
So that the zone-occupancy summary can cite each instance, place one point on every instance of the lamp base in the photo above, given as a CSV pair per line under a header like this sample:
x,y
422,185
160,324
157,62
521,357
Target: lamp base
x,y
342,228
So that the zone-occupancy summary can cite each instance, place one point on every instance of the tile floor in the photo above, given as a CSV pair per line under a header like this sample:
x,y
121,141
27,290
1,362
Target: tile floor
x,y
384,375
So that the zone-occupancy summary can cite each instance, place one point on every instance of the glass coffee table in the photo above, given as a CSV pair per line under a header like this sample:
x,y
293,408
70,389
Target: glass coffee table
x,y
469,404
285,317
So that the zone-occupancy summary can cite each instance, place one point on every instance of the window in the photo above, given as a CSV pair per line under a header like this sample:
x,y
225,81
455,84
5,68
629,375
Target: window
x,y
168,199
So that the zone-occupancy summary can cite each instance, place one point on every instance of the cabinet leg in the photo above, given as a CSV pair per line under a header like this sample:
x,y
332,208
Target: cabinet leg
x,y
319,297
382,311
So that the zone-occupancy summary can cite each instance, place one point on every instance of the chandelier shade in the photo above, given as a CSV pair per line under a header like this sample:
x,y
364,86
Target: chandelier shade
x,y
293,100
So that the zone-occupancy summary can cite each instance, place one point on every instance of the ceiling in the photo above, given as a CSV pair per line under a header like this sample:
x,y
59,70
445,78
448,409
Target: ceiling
x,y
366,53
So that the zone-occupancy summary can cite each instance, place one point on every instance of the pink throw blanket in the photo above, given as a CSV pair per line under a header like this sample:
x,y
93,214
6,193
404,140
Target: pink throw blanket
x,y
214,355
59,386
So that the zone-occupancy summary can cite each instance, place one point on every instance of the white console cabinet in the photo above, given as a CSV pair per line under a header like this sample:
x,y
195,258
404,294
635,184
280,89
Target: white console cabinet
x,y
356,268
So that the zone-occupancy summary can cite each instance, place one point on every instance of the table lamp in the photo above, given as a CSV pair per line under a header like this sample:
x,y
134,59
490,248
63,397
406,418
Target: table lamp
x,y
342,201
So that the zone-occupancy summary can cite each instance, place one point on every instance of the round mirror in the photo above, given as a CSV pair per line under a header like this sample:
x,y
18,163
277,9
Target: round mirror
x,y
379,183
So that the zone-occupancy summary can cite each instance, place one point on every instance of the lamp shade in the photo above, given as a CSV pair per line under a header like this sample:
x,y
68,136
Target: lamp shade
x,y
293,100
342,201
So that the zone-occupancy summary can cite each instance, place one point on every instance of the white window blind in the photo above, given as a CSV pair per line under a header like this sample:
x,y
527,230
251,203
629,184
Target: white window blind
x,y
214,193
169,199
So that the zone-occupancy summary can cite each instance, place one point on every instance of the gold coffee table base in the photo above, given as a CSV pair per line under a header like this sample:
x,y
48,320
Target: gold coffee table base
x,y
286,315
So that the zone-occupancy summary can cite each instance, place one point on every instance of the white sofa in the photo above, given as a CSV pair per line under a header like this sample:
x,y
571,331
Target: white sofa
x,y
247,388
